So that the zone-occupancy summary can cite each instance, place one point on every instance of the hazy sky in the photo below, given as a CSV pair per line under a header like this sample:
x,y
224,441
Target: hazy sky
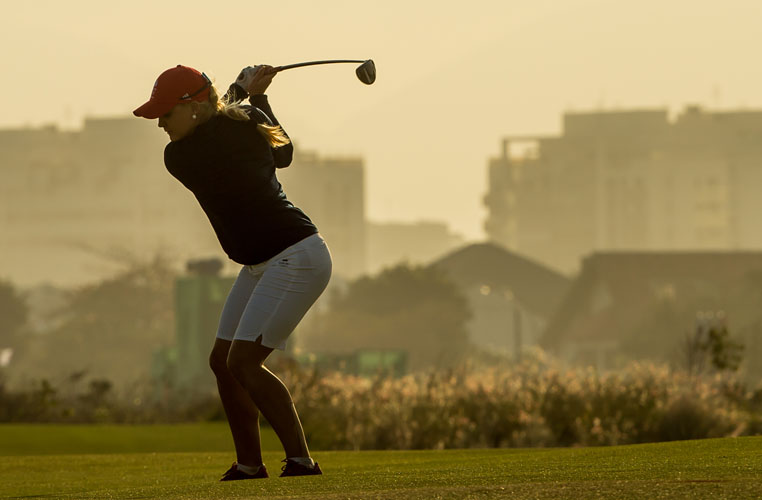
x,y
453,77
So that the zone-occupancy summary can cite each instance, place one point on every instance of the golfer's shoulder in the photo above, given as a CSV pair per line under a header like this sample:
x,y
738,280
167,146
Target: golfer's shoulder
x,y
233,134
178,155
225,125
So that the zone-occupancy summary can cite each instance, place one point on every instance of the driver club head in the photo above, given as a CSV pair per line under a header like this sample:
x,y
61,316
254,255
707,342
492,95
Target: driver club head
x,y
366,72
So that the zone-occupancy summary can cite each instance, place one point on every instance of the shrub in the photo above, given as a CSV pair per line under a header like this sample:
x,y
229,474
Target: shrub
x,y
532,404
520,406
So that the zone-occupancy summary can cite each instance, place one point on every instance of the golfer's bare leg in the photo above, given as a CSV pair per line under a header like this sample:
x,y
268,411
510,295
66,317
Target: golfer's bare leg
x,y
242,413
245,361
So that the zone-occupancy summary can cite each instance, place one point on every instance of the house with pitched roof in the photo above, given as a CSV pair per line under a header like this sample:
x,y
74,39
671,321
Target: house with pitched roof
x,y
512,297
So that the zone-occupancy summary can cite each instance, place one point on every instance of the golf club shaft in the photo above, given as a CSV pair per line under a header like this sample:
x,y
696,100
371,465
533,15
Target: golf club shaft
x,y
312,63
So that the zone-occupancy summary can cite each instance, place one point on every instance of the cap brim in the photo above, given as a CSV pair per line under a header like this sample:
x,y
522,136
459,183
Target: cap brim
x,y
154,109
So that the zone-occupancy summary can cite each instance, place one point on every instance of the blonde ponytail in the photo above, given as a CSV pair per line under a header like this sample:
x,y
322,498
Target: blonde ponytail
x,y
274,134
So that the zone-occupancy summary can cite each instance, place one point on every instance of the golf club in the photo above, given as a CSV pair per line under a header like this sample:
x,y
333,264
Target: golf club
x,y
366,71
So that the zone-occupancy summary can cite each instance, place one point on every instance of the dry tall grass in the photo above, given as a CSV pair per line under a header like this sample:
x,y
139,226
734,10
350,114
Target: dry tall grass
x,y
531,404
535,403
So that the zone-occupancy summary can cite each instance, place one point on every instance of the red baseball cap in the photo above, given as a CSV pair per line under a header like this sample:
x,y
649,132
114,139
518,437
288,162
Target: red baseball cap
x,y
174,86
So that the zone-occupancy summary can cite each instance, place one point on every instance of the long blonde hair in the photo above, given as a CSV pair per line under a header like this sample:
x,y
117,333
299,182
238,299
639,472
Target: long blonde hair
x,y
234,110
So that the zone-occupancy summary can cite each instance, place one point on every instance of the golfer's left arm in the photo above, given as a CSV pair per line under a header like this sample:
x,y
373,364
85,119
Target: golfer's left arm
x,y
283,154
256,89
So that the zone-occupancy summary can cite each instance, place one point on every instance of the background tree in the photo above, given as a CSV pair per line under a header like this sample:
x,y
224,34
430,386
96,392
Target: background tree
x,y
711,347
413,309
13,315
747,325
694,333
110,329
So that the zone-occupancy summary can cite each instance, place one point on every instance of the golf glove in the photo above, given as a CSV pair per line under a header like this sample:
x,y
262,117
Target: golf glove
x,y
246,76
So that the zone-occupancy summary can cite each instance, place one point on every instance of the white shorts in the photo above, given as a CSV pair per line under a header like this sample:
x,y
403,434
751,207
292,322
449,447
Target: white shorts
x,y
269,299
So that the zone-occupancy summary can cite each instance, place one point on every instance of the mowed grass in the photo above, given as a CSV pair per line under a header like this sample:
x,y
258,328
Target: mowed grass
x,y
41,439
717,468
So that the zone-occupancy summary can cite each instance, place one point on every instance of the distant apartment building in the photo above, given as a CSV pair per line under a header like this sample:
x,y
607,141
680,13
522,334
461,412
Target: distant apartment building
x,y
73,204
629,180
419,243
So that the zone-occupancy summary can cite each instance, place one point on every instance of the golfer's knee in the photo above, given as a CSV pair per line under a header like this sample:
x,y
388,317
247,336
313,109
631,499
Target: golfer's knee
x,y
237,366
218,362
242,368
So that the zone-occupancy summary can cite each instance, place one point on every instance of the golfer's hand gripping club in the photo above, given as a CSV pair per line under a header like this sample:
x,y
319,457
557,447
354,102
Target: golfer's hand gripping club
x,y
255,79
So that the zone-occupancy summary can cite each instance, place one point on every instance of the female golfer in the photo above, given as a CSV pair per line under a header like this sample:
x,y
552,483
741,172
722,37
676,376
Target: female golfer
x,y
226,153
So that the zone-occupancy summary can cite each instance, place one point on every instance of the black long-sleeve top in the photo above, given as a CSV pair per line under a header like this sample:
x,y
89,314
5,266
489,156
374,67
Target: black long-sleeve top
x,y
230,168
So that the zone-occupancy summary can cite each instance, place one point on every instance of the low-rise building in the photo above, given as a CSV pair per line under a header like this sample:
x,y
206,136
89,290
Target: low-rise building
x,y
512,298
628,306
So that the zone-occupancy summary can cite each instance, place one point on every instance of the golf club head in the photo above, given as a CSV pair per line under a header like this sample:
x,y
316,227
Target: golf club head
x,y
366,72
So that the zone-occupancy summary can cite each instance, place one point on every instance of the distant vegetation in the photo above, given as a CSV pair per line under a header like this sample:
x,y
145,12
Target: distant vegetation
x,y
535,403
95,367
532,404
105,330
414,309
13,315
717,329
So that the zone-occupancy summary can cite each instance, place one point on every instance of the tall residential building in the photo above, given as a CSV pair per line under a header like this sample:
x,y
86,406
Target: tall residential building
x,y
75,204
331,190
72,204
629,180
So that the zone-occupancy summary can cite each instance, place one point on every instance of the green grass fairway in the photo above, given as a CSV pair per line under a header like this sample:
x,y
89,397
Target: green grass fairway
x,y
719,468
41,439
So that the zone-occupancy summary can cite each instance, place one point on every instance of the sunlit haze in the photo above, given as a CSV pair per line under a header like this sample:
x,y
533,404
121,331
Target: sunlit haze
x,y
453,77
537,228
